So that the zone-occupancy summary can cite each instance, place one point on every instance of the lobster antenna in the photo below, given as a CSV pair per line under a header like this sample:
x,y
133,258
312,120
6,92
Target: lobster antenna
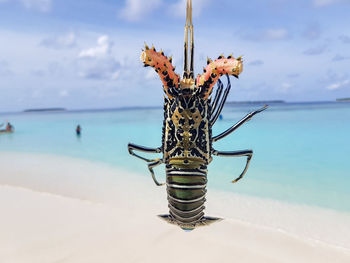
x,y
188,61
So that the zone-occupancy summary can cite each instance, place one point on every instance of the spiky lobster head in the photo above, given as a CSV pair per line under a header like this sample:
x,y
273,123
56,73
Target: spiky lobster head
x,y
202,85
188,85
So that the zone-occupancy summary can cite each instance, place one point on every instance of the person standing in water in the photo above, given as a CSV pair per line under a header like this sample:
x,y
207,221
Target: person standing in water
x,y
78,130
9,128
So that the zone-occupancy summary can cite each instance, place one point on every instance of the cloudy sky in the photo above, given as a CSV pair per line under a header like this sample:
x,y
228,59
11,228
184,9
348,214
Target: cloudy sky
x,y
85,54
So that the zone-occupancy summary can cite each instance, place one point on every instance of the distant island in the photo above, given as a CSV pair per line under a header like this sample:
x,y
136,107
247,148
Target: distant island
x,y
45,109
256,102
343,99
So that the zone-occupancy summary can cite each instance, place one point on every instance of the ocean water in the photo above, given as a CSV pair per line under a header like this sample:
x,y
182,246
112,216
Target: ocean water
x,y
301,150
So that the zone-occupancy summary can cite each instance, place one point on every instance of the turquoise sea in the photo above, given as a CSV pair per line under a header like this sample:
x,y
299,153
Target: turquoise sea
x,y
301,150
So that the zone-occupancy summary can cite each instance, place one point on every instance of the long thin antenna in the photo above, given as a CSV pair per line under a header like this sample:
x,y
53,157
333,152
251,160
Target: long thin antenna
x,y
191,43
188,71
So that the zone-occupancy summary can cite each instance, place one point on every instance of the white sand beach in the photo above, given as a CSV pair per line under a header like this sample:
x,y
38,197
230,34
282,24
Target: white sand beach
x,y
59,209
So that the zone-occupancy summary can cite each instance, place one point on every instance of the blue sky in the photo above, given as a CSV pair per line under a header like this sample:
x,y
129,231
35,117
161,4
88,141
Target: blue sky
x,y
85,54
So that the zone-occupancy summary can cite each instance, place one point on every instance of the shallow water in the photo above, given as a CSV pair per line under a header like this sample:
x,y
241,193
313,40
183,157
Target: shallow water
x,y
301,150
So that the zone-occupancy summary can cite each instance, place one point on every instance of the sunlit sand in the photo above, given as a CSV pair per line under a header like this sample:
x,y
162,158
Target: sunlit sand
x,y
58,209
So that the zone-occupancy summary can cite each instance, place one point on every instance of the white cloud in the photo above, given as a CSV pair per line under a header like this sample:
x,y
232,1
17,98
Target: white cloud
x,y
41,5
315,50
345,39
36,94
4,68
151,74
115,75
98,62
340,58
271,34
320,3
293,75
285,87
276,34
103,48
179,8
135,10
312,32
64,93
338,85
99,68
60,42
257,62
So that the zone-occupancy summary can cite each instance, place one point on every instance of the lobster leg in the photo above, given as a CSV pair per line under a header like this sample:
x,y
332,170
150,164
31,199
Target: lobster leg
x,y
248,153
238,124
132,147
222,102
217,95
152,162
150,168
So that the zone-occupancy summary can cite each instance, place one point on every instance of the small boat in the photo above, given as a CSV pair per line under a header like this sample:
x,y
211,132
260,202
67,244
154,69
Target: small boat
x,y
6,131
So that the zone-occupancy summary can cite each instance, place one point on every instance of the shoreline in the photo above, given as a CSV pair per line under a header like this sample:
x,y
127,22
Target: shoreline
x,y
117,205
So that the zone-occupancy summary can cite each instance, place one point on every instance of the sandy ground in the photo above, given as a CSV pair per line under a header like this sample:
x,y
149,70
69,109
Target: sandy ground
x,y
56,209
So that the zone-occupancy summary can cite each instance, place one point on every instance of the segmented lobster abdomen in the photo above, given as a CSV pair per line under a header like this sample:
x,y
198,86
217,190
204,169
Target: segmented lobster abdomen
x,y
186,190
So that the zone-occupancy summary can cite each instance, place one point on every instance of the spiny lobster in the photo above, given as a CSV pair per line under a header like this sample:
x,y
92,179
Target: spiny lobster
x,y
189,114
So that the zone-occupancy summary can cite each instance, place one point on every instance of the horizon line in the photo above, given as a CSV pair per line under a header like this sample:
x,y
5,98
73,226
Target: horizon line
x,y
63,109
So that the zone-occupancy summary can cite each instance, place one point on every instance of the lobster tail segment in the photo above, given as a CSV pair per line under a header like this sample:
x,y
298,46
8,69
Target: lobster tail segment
x,y
186,188
204,221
